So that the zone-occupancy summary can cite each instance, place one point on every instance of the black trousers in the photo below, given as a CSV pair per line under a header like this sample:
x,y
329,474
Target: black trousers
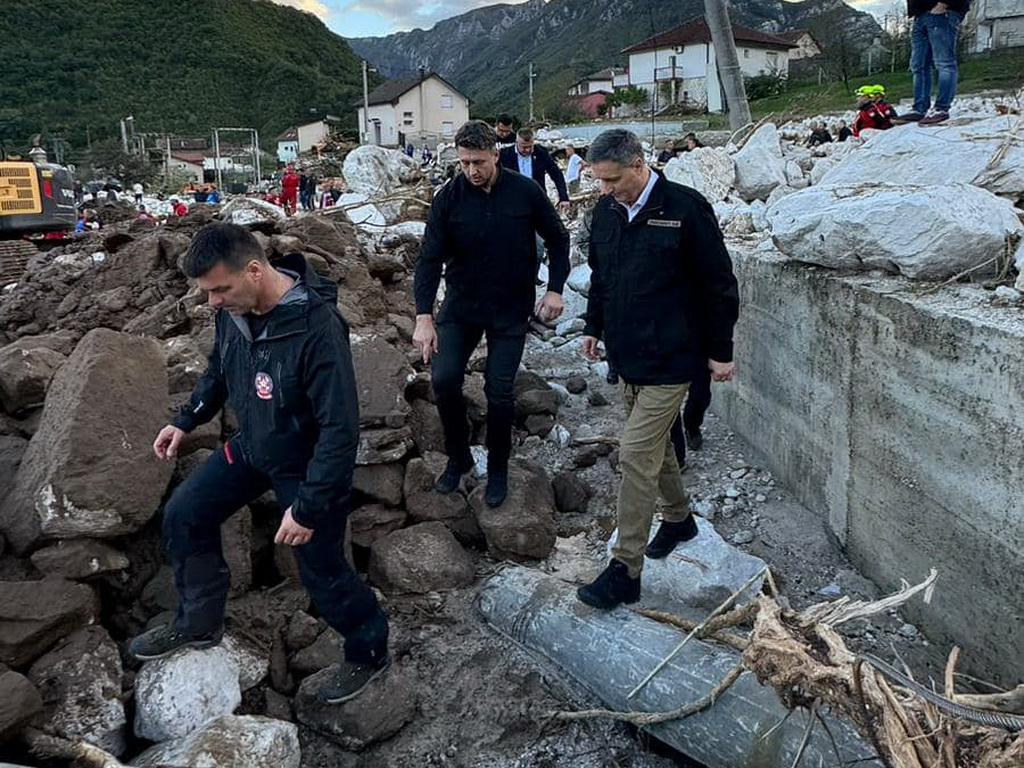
x,y
455,344
698,399
191,532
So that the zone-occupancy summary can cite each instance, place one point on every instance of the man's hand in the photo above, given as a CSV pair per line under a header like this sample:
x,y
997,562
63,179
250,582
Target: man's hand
x,y
721,371
590,349
424,337
564,205
549,307
291,533
939,8
166,444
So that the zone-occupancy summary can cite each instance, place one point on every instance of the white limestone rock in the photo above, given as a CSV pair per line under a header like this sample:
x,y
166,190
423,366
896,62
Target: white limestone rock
x,y
760,167
709,170
184,691
229,742
362,213
922,232
246,211
579,279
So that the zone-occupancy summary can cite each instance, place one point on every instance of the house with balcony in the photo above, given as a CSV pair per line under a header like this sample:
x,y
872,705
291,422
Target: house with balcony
x,y
590,92
997,24
678,66
426,109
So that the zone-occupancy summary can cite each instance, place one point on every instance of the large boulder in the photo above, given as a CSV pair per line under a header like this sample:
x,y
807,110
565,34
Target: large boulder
x,y
374,521
248,211
89,470
709,170
380,482
80,682
333,235
184,691
12,449
524,526
78,559
20,702
229,742
381,373
928,233
760,166
36,614
377,172
424,504
25,374
422,558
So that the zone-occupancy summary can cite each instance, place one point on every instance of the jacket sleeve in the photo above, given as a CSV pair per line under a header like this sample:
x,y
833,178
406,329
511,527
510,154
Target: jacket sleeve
x,y
210,392
556,240
507,158
595,310
431,259
329,383
552,170
718,288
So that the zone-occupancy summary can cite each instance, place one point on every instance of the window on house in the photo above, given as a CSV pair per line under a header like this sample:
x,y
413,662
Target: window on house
x,y
746,53
446,101
447,128
407,118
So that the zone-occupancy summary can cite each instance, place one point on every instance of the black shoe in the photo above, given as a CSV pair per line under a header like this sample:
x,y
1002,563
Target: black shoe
x,y
452,475
909,117
694,440
347,680
670,534
497,488
612,587
164,640
612,377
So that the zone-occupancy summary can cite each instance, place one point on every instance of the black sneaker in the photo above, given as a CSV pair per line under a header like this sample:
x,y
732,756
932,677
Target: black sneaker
x,y
345,681
612,377
452,475
909,117
497,488
694,440
165,640
612,587
670,534
934,117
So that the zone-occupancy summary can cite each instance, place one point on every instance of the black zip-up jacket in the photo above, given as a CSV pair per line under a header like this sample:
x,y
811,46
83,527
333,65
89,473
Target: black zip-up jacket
x,y
662,291
486,243
293,389
917,7
543,163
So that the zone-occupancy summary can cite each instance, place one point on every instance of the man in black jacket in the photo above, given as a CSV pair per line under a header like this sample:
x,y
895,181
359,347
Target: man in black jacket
x,y
664,298
535,162
281,358
482,231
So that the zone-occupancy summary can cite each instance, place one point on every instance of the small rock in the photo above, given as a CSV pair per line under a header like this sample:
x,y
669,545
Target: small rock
x,y
908,631
732,493
742,537
831,590
571,493
576,384
760,498
560,436
736,474
596,399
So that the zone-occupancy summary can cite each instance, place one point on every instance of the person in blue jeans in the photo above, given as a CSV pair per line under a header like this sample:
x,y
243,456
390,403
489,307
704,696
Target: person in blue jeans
x,y
933,44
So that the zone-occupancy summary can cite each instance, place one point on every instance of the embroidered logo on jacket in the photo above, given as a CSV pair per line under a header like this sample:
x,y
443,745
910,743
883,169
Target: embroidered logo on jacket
x,y
664,223
264,386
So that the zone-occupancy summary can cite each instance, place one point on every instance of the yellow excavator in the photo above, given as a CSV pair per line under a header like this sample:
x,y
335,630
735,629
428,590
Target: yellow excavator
x,y
36,198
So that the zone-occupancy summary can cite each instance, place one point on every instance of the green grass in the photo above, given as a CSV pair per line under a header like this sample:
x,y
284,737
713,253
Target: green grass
x,y
1004,71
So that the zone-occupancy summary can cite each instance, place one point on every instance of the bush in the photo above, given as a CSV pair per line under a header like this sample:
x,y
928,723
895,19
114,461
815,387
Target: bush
x,y
764,86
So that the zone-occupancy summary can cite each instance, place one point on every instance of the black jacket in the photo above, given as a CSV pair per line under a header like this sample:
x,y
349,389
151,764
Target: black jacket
x,y
662,291
486,243
293,390
543,163
917,7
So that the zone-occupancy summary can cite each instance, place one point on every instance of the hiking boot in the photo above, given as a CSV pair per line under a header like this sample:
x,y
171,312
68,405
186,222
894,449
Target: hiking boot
x,y
497,488
345,681
934,117
694,440
612,587
909,117
670,534
612,377
452,475
165,640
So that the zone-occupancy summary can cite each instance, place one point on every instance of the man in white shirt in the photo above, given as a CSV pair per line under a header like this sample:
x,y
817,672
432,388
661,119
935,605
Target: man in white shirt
x,y
573,169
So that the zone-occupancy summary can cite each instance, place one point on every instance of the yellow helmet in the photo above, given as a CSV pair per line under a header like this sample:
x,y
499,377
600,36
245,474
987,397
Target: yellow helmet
x,y
864,90
877,90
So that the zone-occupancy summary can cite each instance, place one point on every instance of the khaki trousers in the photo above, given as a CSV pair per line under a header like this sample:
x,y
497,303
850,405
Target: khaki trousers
x,y
648,465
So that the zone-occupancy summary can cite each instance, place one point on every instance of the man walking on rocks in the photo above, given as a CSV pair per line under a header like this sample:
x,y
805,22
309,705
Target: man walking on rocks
x,y
664,299
933,44
482,231
281,358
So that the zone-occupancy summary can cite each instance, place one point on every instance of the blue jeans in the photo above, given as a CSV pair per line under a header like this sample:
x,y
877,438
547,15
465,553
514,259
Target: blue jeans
x,y
191,534
933,43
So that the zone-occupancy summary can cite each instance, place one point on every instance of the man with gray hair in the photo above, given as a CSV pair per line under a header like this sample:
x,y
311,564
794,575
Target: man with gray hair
x,y
664,299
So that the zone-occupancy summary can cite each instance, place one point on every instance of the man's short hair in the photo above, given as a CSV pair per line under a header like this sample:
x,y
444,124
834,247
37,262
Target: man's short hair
x,y
476,134
617,145
221,243
526,134
505,119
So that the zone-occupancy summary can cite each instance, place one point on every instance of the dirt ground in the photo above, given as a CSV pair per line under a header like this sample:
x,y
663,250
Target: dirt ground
x,y
485,701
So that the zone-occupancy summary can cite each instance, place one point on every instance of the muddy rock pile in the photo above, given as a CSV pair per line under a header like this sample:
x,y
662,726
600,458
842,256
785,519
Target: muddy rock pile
x,y
99,342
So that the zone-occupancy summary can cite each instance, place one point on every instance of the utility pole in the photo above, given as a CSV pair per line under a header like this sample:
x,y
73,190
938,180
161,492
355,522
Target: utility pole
x,y
729,73
366,104
531,91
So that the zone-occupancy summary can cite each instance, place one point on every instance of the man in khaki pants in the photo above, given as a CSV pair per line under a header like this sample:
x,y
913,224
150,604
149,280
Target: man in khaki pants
x,y
664,299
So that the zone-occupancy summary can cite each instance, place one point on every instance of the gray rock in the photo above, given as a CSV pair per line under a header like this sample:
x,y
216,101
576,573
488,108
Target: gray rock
x,y
12,449
387,704
742,537
760,167
90,471
328,648
374,521
572,495
709,170
539,424
524,526
230,742
252,662
36,614
177,694
236,543
380,482
579,279
424,504
80,680
383,446
20,702
381,372
422,558
78,559
426,427
25,374
576,385
249,211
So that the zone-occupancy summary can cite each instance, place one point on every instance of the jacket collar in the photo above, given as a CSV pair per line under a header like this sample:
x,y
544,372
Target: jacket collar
x,y
285,319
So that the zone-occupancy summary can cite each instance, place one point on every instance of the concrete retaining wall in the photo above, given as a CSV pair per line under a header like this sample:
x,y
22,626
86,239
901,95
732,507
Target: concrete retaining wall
x,y
899,417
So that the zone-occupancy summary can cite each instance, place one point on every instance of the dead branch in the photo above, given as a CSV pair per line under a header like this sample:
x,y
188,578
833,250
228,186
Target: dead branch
x,y
713,629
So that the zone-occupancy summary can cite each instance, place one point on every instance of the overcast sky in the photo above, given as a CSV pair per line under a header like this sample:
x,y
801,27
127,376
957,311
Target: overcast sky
x,y
373,18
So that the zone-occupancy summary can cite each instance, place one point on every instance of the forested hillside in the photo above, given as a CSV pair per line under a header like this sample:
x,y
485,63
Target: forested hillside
x,y
76,67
